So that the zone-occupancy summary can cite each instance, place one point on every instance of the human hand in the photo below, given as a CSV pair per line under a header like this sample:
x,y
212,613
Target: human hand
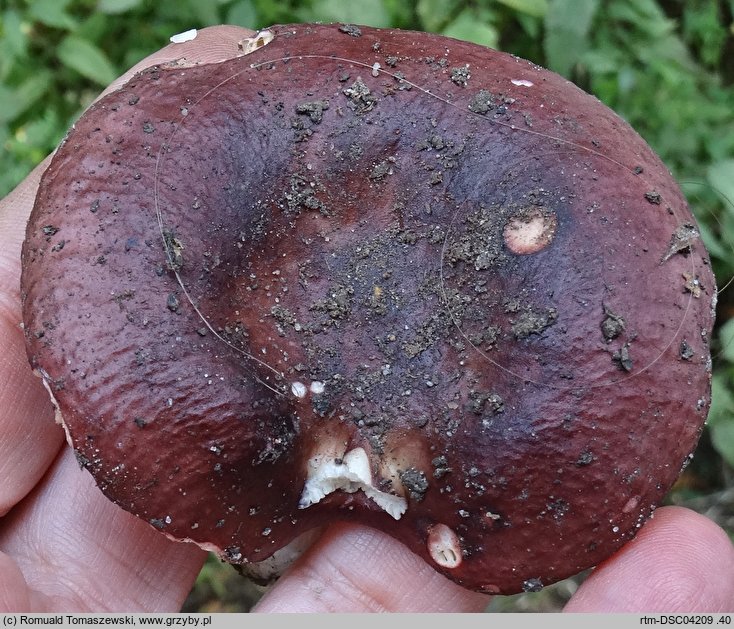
x,y
65,547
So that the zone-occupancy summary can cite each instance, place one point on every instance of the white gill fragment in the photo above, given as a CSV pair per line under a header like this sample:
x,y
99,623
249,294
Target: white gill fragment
x,y
299,389
258,40
208,547
180,38
350,473
522,82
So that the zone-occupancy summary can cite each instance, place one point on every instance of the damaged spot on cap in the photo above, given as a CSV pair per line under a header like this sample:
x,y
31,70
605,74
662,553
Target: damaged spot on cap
x,y
692,284
258,40
631,504
522,82
444,547
682,240
530,233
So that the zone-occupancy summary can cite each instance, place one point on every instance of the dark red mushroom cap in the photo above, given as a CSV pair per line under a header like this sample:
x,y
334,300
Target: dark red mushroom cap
x,y
377,275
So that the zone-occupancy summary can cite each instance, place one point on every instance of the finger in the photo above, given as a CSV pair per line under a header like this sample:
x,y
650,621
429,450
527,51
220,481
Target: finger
x,y
29,440
358,569
679,562
14,595
26,414
14,211
79,552
210,45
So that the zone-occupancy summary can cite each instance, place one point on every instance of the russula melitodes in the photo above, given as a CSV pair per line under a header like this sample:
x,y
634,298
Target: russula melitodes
x,y
379,275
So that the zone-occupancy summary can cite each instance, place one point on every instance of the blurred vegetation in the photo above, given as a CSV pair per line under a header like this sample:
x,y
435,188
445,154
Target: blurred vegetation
x,y
666,66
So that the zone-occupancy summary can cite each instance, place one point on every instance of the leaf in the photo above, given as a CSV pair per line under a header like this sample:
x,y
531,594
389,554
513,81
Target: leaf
x,y
721,418
726,336
206,13
115,7
567,25
571,16
435,14
19,99
722,437
645,15
703,26
400,12
666,51
43,133
712,243
86,59
242,13
367,12
536,8
13,39
468,27
602,61
721,177
530,25
52,13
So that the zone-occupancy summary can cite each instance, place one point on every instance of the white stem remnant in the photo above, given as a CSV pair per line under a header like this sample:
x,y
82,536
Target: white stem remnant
x,y
349,473
271,568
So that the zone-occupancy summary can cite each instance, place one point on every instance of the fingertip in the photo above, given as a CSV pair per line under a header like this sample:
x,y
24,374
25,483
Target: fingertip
x,y
104,560
209,45
354,568
680,561
13,590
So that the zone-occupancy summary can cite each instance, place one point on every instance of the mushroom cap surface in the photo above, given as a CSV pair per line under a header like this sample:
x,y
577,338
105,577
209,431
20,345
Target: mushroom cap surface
x,y
375,275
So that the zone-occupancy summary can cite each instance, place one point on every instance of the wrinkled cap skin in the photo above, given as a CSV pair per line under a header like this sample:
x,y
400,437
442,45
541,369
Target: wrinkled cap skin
x,y
450,296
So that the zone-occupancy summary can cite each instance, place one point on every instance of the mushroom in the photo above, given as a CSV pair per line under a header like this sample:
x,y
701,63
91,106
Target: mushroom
x,y
375,275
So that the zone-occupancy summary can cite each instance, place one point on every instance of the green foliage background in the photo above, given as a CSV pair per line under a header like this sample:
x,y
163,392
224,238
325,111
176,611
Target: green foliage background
x,y
666,66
